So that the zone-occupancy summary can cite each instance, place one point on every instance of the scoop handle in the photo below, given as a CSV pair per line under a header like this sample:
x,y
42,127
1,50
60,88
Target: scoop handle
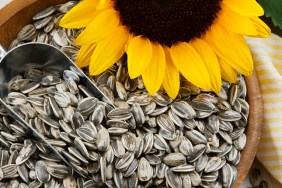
x,y
2,51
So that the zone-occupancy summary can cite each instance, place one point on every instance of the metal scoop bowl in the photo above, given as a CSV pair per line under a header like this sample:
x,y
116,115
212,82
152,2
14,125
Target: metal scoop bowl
x,y
42,56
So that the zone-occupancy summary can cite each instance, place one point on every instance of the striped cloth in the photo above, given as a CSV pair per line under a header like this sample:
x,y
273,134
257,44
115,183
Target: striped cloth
x,y
267,55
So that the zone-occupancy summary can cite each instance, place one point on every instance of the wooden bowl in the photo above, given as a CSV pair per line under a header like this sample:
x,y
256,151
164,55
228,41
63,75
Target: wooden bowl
x,y
19,13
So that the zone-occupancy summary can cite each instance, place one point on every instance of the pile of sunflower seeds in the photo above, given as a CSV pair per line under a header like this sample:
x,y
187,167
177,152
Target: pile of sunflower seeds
x,y
194,140
57,109
27,163
198,136
146,141
45,28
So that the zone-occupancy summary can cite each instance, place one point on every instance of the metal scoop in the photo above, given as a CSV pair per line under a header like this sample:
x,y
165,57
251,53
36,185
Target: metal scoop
x,y
41,56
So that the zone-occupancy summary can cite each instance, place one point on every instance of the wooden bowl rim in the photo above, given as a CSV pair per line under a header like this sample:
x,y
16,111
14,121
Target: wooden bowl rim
x,y
253,129
16,6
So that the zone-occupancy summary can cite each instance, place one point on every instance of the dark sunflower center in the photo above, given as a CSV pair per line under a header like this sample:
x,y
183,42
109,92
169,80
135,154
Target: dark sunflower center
x,y
168,21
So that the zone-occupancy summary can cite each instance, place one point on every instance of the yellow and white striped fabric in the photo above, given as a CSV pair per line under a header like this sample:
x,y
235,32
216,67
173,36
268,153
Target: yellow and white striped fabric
x,y
267,55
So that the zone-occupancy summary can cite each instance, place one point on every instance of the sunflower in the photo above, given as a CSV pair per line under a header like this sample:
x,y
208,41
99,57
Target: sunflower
x,y
199,39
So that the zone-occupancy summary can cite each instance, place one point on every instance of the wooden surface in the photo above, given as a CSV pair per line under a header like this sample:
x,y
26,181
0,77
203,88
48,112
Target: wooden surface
x,y
19,13
253,131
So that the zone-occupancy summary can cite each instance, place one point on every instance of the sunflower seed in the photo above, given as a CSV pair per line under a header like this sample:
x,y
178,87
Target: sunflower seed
x,y
118,179
44,13
173,179
142,100
70,74
227,174
160,143
87,105
174,159
186,181
120,114
98,114
117,131
225,136
33,74
87,132
229,115
198,150
138,114
159,111
73,151
18,84
49,121
26,33
81,147
165,123
162,100
196,137
41,172
4,157
176,120
125,160
55,108
27,151
240,142
58,171
121,91
202,105
185,147
153,159
23,172
148,142
213,124
183,110
128,141
72,86
103,139
183,168
212,164
195,178
237,133
62,99
144,170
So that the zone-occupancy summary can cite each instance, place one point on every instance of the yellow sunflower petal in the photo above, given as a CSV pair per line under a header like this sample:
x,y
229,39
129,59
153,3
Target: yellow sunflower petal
x,y
211,62
262,29
108,51
227,72
190,65
154,74
171,82
231,47
245,7
84,55
139,52
80,15
104,4
236,22
101,27
129,39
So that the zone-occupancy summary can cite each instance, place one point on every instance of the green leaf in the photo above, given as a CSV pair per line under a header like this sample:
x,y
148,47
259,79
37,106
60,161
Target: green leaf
x,y
273,9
